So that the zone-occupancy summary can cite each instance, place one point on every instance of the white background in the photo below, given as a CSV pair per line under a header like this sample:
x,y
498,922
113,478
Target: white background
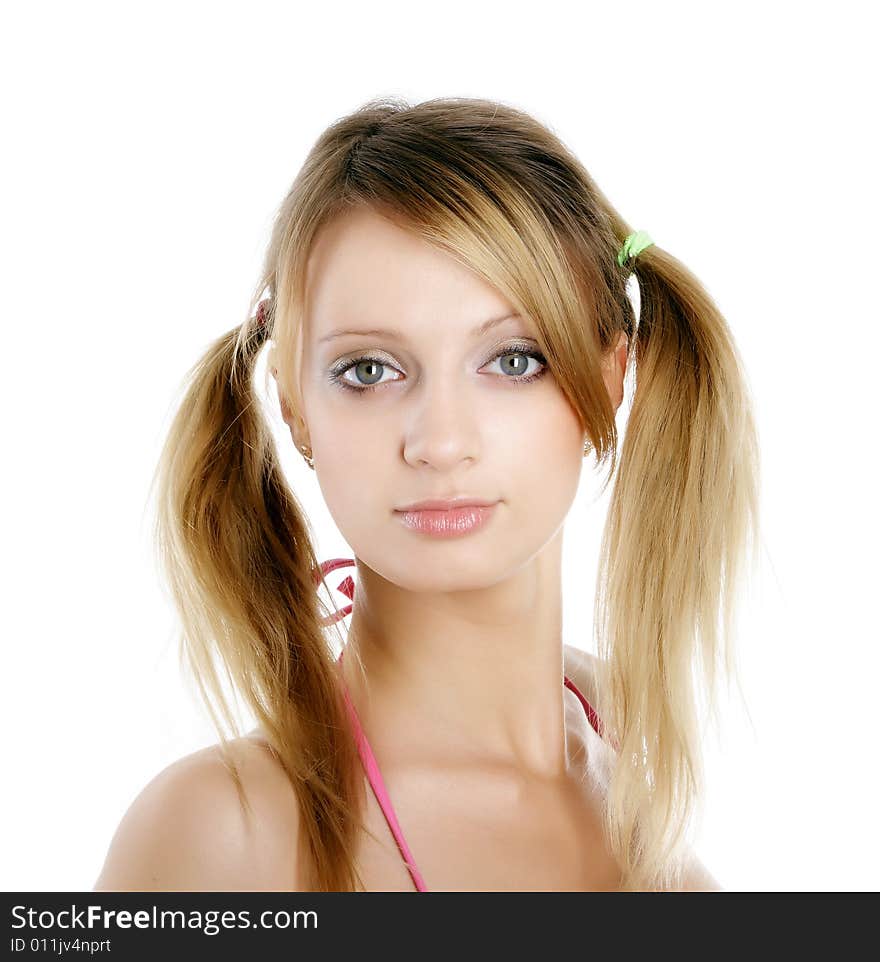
x,y
146,148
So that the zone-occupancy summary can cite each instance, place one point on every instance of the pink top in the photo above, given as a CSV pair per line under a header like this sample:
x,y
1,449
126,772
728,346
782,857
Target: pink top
x,y
374,777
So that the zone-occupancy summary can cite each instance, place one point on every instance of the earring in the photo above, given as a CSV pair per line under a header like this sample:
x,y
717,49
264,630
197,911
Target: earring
x,y
307,454
587,448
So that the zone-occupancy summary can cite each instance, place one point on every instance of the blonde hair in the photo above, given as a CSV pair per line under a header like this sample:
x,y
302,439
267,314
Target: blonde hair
x,y
495,189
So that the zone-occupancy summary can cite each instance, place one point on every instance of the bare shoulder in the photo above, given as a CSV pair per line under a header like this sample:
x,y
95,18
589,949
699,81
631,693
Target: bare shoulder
x,y
582,668
187,830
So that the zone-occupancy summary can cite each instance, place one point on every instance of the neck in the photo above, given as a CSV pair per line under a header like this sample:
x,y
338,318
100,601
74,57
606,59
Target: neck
x,y
475,674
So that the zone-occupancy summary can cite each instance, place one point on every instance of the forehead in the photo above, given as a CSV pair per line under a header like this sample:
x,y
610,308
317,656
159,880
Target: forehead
x,y
366,271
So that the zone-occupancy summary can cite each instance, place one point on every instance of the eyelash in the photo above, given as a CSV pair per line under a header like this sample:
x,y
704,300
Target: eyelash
x,y
338,370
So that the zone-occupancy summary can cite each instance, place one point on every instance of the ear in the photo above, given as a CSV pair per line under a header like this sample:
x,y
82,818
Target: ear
x,y
614,369
296,425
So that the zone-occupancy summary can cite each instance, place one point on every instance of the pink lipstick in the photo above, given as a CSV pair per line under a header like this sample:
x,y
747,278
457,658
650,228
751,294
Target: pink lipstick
x,y
447,519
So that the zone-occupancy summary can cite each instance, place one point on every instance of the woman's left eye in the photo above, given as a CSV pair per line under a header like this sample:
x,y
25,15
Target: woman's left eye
x,y
514,363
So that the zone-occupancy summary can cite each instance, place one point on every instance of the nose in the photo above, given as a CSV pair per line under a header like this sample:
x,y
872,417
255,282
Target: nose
x,y
444,427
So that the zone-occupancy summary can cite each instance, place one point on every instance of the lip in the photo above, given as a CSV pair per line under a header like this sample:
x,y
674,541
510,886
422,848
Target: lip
x,y
452,519
446,504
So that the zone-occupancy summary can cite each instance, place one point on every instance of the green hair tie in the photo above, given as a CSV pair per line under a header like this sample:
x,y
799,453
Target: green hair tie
x,y
633,246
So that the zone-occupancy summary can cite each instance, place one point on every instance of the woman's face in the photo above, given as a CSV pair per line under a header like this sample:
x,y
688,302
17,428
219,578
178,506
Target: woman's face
x,y
410,393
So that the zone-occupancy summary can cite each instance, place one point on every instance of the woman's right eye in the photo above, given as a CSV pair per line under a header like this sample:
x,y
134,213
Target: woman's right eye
x,y
367,374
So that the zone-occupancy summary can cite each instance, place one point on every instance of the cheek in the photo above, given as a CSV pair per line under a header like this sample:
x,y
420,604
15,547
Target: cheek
x,y
543,463
353,474
357,468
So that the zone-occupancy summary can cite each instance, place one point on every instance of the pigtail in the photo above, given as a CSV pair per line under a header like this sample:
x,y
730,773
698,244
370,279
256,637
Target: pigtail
x,y
683,509
237,555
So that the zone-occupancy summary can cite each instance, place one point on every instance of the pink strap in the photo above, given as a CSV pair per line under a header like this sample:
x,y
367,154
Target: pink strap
x,y
594,719
374,777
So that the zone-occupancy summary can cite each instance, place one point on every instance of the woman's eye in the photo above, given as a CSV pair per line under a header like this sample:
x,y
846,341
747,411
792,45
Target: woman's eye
x,y
515,364
364,374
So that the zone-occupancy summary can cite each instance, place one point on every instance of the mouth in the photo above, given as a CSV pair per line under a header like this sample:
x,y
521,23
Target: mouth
x,y
452,519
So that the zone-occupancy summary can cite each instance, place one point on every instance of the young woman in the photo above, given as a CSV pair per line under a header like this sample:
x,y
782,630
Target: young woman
x,y
445,303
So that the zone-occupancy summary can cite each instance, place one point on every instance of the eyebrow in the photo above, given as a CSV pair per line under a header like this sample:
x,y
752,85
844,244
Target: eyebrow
x,y
385,332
